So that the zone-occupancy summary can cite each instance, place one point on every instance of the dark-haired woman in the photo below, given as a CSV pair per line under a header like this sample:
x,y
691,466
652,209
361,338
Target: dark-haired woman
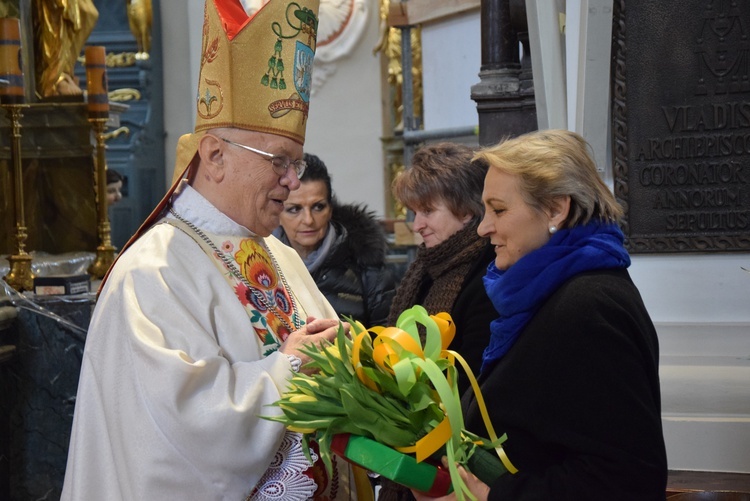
x,y
343,246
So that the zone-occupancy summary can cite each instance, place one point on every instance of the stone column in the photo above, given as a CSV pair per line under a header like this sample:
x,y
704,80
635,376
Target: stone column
x,y
505,93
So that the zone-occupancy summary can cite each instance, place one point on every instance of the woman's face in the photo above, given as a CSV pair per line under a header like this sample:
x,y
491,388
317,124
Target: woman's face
x,y
114,192
437,223
513,226
306,215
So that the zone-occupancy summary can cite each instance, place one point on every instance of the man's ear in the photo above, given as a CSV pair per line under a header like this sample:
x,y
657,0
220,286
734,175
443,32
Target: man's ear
x,y
211,151
559,211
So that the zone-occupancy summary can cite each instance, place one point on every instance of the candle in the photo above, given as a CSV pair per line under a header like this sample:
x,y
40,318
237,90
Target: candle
x,y
11,72
96,82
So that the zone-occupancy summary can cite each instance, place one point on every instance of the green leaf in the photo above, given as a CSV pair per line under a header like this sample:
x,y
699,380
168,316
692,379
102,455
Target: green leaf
x,y
380,429
406,376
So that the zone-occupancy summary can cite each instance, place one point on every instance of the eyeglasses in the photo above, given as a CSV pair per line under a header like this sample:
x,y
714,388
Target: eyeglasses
x,y
280,164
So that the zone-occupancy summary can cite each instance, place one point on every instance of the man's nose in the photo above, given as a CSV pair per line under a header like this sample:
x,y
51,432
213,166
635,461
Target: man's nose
x,y
290,179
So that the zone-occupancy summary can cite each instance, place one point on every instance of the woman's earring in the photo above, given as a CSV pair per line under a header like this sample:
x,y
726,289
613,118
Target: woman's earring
x,y
552,230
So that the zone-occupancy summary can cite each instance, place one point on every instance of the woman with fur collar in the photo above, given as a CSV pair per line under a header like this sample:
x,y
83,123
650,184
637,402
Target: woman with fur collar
x,y
343,247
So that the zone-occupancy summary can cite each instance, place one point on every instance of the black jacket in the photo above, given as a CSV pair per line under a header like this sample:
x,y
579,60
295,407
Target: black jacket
x,y
472,313
354,277
578,396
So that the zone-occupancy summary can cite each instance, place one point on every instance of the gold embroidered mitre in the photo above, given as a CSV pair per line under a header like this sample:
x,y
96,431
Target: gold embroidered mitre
x,y
256,71
256,74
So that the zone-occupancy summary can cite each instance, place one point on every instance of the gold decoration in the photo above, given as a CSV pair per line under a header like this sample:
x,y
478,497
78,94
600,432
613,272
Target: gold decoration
x,y
105,252
7,9
61,28
116,133
116,60
282,38
98,110
234,46
125,94
389,45
140,18
20,276
393,154
121,60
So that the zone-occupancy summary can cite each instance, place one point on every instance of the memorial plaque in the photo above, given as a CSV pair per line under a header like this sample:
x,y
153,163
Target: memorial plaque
x,y
681,124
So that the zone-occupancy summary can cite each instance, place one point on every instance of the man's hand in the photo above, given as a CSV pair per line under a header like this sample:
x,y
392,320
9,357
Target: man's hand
x,y
315,332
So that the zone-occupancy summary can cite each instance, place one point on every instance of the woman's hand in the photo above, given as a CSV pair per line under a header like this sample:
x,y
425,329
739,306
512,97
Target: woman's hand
x,y
480,490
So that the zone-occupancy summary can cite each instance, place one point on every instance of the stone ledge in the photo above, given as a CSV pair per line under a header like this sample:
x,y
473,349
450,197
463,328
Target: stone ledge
x,y
690,481
730,339
705,385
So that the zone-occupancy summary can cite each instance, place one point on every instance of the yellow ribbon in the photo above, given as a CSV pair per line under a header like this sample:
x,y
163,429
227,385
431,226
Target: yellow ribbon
x,y
431,442
485,415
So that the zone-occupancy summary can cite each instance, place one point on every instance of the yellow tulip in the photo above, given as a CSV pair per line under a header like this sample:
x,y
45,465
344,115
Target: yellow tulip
x,y
302,398
300,430
333,350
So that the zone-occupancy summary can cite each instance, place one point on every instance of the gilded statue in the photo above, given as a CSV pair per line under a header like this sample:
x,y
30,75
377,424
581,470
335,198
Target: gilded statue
x,y
389,44
8,9
140,18
61,28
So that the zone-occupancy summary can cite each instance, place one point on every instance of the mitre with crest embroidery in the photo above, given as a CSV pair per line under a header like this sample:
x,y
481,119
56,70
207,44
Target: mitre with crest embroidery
x,y
255,74
256,71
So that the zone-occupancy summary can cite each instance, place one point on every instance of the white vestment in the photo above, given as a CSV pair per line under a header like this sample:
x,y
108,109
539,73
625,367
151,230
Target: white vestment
x,y
173,376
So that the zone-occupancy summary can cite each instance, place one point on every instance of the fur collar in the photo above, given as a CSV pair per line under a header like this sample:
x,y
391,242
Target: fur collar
x,y
363,235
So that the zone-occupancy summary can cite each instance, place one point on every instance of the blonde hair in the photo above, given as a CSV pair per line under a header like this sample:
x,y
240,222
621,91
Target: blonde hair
x,y
553,163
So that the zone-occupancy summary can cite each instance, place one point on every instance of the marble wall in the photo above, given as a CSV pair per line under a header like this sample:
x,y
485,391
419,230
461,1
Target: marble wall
x,y
38,385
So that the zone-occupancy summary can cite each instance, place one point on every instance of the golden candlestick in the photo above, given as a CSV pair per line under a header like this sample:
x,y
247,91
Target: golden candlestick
x,y
98,109
105,252
20,276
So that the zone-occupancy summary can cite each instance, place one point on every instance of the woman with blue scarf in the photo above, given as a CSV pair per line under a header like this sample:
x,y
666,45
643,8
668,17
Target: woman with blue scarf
x,y
571,370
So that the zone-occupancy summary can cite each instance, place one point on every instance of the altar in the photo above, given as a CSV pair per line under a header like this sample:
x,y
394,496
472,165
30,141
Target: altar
x,y
58,179
58,146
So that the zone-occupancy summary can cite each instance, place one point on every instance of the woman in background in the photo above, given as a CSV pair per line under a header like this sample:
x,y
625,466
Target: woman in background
x,y
114,186
571,373
343,247
443,188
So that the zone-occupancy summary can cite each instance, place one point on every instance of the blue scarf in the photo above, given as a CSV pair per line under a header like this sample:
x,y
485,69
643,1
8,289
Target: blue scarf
x,y
518,292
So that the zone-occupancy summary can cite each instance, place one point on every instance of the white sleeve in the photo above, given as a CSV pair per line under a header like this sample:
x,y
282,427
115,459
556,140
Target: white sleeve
x,y
173,381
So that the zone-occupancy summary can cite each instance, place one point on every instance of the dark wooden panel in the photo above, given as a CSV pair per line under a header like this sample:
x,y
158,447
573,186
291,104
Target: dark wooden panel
x,y
681,124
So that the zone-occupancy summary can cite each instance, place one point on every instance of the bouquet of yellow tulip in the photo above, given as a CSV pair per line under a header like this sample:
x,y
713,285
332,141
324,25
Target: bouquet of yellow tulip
x,y
396,391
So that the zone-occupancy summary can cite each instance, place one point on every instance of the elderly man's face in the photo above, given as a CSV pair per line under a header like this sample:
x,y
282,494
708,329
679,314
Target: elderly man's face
x,y
254,193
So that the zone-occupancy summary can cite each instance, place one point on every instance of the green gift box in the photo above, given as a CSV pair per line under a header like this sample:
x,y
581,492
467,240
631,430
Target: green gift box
x,y
402,468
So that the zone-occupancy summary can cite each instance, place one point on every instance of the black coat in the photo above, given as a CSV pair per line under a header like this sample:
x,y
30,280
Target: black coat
x,y
354,276
578,396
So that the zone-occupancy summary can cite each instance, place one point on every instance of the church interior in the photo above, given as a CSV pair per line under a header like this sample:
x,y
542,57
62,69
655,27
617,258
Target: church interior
x,y
95,94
